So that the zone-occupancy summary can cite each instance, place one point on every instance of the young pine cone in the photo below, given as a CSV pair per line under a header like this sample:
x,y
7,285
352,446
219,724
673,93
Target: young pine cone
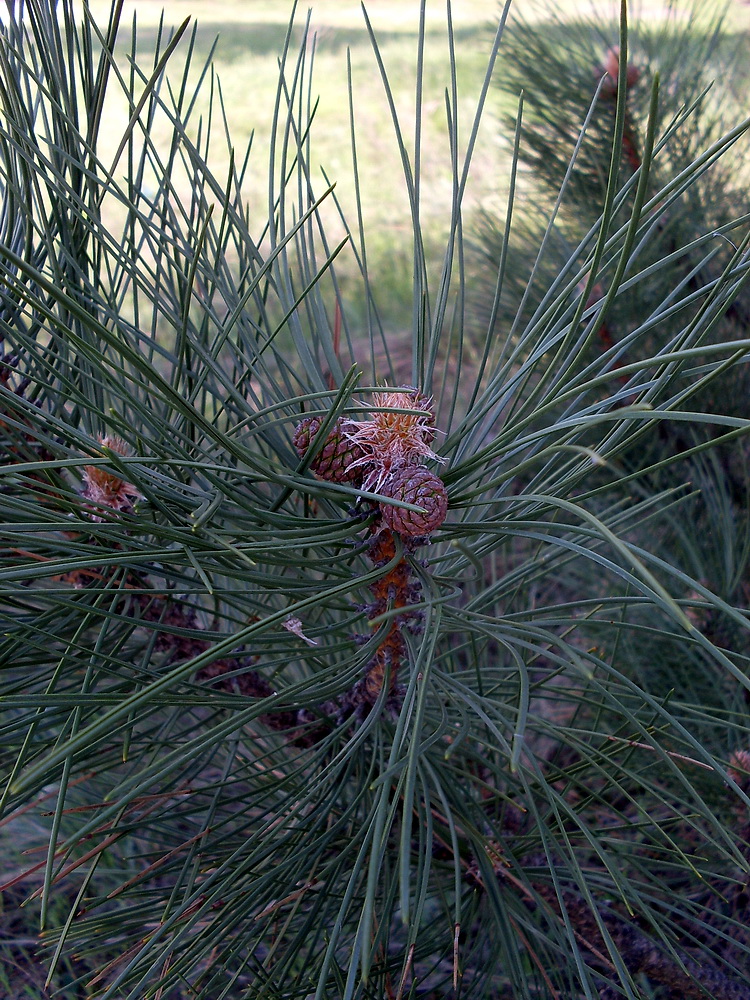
x,y
333,462
105,488
417,485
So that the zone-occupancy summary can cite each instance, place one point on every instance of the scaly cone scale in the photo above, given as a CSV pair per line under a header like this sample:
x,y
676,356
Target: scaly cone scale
x,y
416,485
337,456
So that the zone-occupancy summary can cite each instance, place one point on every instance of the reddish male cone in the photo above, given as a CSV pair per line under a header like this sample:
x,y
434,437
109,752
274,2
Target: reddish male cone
x,y
611,67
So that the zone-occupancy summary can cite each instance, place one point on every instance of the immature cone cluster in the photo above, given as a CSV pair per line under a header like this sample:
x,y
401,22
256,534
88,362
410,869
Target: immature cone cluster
x,y
384,454
105,488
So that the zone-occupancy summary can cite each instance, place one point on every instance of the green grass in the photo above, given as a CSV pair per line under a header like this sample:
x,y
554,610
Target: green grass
x,y
249,37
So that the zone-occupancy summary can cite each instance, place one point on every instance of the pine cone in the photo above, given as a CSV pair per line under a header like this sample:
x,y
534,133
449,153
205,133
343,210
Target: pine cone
x,y
106,488
333,461
417,485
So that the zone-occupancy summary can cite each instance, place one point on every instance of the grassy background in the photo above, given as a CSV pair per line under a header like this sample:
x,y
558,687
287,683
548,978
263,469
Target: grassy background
x,y
250,37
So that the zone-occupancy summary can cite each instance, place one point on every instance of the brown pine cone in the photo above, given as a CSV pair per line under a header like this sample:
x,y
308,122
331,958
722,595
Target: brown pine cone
x,y
417,485
333,462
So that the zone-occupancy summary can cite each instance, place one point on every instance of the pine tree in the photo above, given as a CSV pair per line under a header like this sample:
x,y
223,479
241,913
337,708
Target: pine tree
x,y
313,678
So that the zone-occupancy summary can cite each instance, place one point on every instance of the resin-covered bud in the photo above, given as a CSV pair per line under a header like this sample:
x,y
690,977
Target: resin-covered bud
x,y
333,462
416,485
